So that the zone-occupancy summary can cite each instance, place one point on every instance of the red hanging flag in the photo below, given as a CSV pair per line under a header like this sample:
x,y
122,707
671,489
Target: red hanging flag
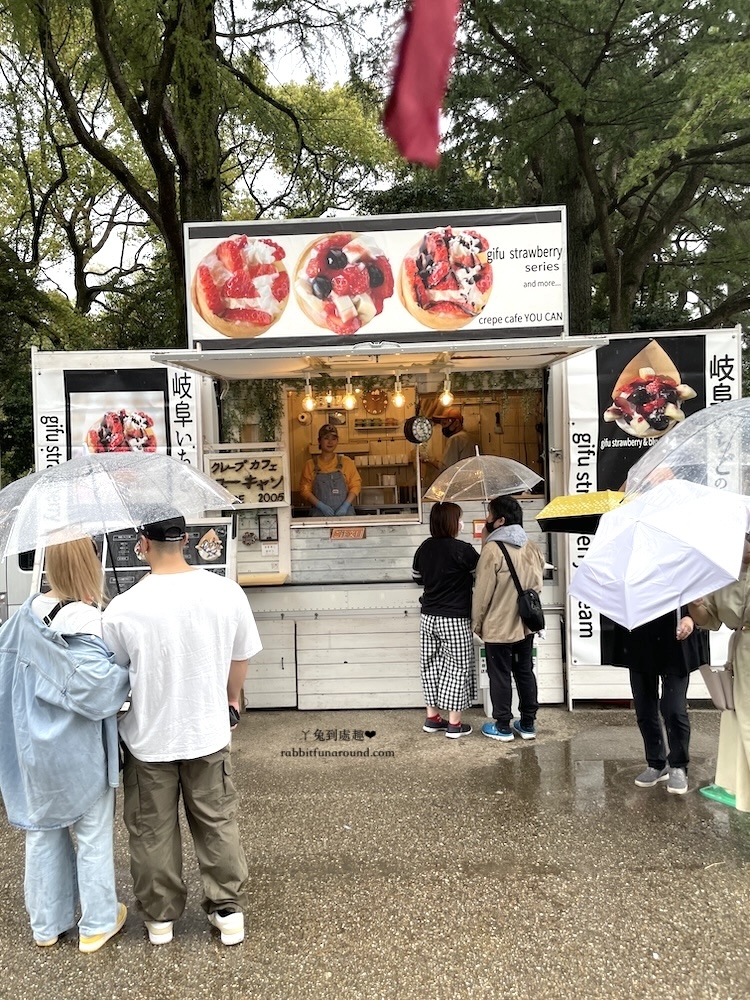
x,y
412,114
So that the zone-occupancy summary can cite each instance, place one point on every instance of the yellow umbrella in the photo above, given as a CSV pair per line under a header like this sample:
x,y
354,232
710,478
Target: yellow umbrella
x,y
578,512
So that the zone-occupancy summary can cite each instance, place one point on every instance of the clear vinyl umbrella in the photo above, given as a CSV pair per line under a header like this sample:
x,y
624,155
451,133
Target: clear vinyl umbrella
x,y
676,542
711,447
98,493
482,478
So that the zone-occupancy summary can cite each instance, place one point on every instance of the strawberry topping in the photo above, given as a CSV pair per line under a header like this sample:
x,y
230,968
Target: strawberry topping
x,y
230,253
211,293
239,286
255,316
280,286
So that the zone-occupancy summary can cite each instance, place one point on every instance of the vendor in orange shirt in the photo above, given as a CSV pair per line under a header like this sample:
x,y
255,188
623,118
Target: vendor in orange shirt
x,y
329,482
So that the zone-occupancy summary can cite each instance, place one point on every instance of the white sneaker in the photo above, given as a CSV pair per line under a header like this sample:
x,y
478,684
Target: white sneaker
x,y
231,925
160,931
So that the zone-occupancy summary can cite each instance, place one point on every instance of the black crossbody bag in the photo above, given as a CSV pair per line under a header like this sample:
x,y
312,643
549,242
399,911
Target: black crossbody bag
x,y
529,602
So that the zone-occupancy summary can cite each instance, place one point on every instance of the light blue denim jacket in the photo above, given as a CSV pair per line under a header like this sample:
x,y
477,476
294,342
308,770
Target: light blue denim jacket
x,y
59,697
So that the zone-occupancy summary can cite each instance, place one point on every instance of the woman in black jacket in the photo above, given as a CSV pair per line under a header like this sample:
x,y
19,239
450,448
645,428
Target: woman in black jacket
x,y
444,565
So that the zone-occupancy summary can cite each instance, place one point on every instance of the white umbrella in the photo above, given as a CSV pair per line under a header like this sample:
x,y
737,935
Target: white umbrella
x,y
481,478
678,541
711,447
98,493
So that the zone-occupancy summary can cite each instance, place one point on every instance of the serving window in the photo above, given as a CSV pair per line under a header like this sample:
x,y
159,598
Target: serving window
x,y
375,455
392,471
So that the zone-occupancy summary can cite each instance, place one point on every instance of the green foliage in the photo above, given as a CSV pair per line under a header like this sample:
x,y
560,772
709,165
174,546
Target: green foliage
x,y
141,315
633,117
242,401
31,318
451,188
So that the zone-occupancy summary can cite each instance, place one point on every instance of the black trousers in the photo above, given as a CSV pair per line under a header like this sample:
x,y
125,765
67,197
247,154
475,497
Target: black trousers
x,y
672,707
504,659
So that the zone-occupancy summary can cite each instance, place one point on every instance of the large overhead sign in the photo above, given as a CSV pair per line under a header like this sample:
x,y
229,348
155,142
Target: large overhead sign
x,y
395,278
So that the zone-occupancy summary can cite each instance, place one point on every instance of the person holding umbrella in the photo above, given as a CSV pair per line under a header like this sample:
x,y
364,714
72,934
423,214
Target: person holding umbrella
x,y
58,749
730,606
187,635
660,656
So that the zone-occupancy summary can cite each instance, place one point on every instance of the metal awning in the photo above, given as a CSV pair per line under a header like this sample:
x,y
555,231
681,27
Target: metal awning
x,y
384,357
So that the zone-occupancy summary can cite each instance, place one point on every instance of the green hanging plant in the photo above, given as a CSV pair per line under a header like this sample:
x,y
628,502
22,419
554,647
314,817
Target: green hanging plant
x,y
261,398
503,381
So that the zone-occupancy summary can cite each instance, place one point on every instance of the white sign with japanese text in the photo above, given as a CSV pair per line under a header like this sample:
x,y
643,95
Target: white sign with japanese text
x,y
602,449
256,478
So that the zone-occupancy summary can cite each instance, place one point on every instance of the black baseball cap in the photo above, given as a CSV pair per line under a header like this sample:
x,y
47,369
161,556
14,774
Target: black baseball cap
x,y
171,529
328,429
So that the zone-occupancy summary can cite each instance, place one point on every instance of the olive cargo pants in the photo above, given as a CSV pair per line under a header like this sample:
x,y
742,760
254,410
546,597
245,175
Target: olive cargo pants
x,y
151,801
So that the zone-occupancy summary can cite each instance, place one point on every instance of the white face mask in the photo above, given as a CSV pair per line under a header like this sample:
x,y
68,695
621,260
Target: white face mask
x,y
460,526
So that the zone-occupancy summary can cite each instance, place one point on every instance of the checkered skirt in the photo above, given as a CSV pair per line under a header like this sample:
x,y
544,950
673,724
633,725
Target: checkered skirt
x,y
446,648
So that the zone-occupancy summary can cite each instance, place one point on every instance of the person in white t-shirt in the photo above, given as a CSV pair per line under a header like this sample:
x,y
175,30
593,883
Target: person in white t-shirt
x,y
188,635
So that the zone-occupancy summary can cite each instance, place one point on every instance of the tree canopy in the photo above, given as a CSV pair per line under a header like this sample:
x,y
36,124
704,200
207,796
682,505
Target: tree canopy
x,y
121,120
160,112
634,116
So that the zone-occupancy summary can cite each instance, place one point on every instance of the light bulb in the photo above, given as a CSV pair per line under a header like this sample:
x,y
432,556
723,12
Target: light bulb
x,y
329,397
350,400
398,398
446,396
308,403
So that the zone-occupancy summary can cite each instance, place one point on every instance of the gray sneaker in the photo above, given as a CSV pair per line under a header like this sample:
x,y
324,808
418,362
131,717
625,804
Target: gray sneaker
x,y
652,775
677,783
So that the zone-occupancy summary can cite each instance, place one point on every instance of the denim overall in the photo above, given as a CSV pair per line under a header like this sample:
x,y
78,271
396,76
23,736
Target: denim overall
x,y
329,487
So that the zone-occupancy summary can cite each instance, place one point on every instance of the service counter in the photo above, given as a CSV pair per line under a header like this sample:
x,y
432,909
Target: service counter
x,y
343,631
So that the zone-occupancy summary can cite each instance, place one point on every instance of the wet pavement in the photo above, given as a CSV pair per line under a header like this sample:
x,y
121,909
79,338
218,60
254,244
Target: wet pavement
x,y
386,862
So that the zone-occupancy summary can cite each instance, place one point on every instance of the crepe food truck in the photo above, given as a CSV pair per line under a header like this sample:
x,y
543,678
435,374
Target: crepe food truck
x,y
373,327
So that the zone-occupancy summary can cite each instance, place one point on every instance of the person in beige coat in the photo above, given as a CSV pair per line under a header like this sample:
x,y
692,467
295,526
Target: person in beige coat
x,y
730,606
495,619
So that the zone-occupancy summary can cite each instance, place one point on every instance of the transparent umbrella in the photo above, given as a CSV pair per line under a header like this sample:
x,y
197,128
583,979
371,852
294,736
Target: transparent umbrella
x,y
711,447
95,494
481,478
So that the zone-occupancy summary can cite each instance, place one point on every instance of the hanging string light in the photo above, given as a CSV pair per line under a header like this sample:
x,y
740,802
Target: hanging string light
x,y
350,400
329,397
446,396
308,403
398,398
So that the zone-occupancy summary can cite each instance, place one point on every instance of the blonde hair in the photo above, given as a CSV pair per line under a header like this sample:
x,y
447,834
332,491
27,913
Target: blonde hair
x,y
75,571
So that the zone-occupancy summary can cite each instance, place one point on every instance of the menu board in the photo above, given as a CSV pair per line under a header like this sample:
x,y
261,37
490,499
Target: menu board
x,y
210,545
256,478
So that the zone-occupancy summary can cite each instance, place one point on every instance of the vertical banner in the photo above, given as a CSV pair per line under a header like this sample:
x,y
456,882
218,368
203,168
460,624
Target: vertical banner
x,y
80,409
623,399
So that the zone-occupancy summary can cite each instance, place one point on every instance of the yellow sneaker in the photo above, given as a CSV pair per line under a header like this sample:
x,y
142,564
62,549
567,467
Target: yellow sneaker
x,y
95,942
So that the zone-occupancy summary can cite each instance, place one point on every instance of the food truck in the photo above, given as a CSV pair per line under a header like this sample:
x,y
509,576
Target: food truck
x,y
374,327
